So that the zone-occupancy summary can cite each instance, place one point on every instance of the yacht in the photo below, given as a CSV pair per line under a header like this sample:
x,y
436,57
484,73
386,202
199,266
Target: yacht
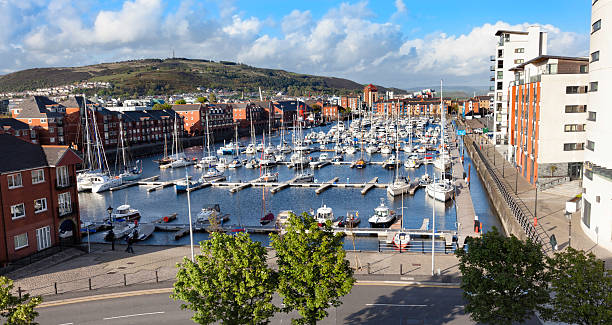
x,y
251,149
443,162
124,213
382,218
350,150
181,185
269,177
442,190
235,163
103,183
323,214
211,174
386,150
400,186
412,162
304,177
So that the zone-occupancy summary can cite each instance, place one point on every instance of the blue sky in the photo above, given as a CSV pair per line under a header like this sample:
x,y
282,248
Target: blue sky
x,y
400,43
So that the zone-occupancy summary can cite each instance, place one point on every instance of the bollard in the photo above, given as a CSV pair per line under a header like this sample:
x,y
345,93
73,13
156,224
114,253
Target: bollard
x,y
368,273
422,247
55,285
124,280
401,273
156,277
89,283
379,246
19,289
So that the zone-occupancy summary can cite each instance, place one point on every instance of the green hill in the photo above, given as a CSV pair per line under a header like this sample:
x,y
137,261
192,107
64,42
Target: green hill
x,y
156,76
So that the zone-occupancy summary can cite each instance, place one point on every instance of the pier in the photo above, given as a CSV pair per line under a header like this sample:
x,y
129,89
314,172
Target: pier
x,y
326,185
134,183
369,185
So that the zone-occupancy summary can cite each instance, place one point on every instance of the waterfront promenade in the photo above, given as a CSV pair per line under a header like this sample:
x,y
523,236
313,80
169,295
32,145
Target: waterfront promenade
x,y
71,270
550,205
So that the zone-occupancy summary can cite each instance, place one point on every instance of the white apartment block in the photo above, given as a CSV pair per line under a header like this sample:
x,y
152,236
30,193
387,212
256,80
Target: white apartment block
x,y
513,48
548,105
597,192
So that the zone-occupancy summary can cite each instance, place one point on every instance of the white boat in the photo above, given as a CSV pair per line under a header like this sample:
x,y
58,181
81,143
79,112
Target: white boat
x,y
269,177
120,230
371,149
124,213
179,163
386,150
442,190
400,186
412,162
252,163
143,231
323,214
350,150
383,217
84,180
443,162
251,149
207,217
182,184
235,164
304,177
222,164
282,219
212,173
104,183
401,240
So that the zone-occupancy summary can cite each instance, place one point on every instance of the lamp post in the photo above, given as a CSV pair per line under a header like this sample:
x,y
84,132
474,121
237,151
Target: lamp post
x,y
110,220
568,215
535,208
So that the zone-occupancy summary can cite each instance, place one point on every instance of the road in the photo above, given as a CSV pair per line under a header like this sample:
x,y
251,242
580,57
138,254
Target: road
x,y
368,303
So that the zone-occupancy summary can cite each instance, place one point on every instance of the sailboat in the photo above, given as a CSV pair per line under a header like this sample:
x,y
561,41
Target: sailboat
x,y
251,149
236,162
130,172
302,176
400,185
92,161
103,181
209,160
178,157
442,190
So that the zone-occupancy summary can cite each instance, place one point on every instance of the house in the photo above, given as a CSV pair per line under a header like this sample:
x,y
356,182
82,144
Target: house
x,y
39,206
45,116
246,113
18,129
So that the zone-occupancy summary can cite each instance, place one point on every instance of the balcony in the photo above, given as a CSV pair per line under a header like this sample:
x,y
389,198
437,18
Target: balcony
x,y
66,209
491,88
66,184
492,58
492,78
492,68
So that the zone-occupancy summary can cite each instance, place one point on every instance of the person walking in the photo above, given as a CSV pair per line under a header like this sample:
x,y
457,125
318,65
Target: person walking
x,y
111,238
130,241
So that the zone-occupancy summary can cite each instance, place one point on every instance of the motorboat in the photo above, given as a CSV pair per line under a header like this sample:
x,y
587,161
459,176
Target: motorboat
x,y
442,190
182,162
251,149
350,221
222,164
304,177
266,219
324,214
124,213
104,183
84,180
207,162
209,216
211,174
412,162
298,159
371,149
182,184
400,186
443,162
401,240
143,231
269,177
360,164
350,150
383,217
386,150
267,160
425,180
132,174
120,230
235,163
252,163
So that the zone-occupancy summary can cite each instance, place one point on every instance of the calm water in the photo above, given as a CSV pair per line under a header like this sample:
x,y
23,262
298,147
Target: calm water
x,y
246,207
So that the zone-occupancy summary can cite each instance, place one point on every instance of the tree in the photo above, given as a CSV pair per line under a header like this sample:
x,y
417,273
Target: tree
x,y
581,291
15,310
316,108
212,98
202,100
230,282
180,102
313,272
503,278
161,106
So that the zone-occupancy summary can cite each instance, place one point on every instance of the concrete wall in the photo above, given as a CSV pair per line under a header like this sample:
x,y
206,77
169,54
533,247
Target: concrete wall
x,y
509,223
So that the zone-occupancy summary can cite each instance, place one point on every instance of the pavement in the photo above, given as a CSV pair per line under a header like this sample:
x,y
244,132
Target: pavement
x,y
104,268
550,211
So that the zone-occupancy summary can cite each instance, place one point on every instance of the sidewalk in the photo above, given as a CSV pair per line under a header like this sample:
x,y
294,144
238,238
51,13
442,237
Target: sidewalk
x,y
151,264
550,205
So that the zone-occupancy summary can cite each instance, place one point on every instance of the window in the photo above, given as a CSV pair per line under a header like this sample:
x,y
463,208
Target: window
x,y
40,205
500,64
576,89
596,26
590,145
43,237
519,61
38,176
584,68
575,108
43,120
594,85
586,217
14,180
21,241
64,203
18,211
500,75
573,146
595,56
51,129
62,176
592,116
519,50
52,140
575,127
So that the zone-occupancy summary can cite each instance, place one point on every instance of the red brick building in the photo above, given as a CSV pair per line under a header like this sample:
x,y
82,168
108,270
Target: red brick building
x,y
370,95
245,113
43,115
39,205
192,117
330,112
18,129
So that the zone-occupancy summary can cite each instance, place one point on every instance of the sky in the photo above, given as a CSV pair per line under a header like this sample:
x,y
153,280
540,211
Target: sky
x,y
394,43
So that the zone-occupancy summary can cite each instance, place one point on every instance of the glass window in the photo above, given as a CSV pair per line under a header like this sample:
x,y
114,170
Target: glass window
x,y
519,61
586,216
62,176
575,108
592,116
596,26
519,50
21,241
18,211
38,176
43,237
14,180
595,56
573,146
590,145
40,205
594,85
64,203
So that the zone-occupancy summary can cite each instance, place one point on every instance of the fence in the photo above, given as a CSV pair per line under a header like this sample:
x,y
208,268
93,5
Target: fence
x,y
519,210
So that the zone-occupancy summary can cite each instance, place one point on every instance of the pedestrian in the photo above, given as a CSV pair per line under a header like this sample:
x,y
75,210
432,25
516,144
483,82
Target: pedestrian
x,y
111,238
129,248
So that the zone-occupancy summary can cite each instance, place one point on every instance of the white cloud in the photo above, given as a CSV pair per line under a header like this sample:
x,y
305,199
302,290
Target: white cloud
x,y
347,41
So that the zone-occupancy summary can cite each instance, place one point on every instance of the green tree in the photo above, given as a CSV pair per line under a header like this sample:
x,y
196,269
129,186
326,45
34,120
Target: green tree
x,y
202,100
180,102
582,291
161,106
316,108
212,98
503,278
230,282
15,310
313,273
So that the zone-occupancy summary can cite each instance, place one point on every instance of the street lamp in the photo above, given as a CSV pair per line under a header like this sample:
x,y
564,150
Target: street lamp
x,y
110,215
111,233
568,215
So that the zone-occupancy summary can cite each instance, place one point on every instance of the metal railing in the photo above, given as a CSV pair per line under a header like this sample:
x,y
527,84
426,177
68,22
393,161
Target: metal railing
x,y
518,208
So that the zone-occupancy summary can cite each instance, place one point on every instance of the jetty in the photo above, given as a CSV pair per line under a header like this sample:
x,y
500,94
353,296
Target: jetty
x,y
134,183
326,185
369,185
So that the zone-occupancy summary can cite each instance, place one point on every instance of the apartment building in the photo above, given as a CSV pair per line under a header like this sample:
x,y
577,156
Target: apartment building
x,y
597,181
39,205
18,129
246,113
191,114
370,95
513,48
409,106
44,115
548,104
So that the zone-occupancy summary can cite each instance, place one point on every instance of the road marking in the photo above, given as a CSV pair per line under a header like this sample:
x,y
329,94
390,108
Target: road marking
x,y
396,305
134,315
67,324
104,297
409,284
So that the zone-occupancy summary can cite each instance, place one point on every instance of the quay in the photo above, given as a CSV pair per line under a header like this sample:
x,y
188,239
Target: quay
x,y
369,185
134,183
326,185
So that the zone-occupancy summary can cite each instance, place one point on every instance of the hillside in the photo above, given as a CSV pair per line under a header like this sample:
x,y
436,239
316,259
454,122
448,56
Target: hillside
x,y
156,76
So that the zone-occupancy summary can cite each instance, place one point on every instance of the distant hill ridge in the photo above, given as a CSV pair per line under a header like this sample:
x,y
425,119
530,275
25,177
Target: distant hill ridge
x,y
165,76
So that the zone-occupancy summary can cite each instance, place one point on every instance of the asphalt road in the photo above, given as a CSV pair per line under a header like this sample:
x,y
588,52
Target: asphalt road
x,y
367,304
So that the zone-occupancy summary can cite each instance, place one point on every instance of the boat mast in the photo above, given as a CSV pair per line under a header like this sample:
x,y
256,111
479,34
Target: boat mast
x,y
207,135
87,136
121,140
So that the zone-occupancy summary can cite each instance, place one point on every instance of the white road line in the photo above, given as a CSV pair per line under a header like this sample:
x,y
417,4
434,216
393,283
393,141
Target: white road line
x,y
67,324
396,305
134,315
